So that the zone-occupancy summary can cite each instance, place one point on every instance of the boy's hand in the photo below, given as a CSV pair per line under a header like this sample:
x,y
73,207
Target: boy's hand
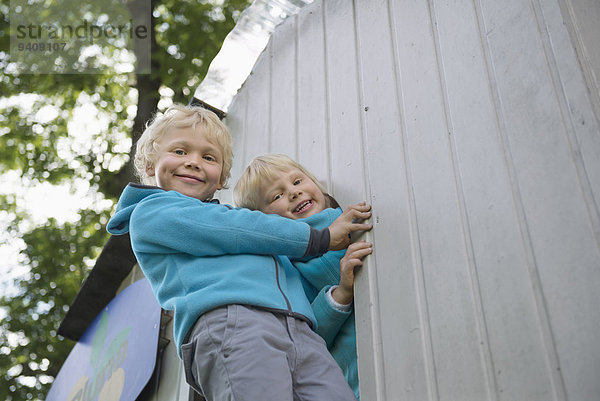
x,y
340,229
354,256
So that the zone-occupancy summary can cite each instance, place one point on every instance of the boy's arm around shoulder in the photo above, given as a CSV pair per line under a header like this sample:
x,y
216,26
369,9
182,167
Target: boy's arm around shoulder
x,y
168,223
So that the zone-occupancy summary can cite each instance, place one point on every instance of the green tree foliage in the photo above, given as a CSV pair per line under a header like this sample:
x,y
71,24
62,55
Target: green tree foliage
x,y
40,144
32,353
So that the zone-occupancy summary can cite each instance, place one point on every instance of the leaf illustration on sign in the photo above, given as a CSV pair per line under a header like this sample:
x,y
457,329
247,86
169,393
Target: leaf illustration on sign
x,y
109,377
99,340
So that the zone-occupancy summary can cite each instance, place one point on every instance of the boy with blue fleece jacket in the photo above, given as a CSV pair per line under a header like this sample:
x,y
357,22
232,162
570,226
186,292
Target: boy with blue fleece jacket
x,y
276,184
242,322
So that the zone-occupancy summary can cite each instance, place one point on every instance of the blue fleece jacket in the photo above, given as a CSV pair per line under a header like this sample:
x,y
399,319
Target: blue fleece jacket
x,y
198,256
336,327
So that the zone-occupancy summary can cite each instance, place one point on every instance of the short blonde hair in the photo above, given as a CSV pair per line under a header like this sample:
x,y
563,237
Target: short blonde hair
x,y
261,171
180,116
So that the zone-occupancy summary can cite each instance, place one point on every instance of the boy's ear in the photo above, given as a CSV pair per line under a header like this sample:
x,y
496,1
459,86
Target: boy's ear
x,y
150,171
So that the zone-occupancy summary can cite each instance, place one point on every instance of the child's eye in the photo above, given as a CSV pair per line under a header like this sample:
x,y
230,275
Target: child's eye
x,y
179,152
297,181
210,158
278,196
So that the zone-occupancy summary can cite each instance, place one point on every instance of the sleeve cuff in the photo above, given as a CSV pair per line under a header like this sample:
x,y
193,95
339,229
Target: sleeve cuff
x,y
318,243
334,303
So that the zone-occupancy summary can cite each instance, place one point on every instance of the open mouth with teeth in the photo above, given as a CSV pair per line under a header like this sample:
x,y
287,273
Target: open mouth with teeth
x,y
303,206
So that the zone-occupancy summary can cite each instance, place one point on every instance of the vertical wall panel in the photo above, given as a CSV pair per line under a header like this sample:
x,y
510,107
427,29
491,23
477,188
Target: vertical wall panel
x,y
237,124
581,18
515,358
417,377
454,334
390,273
313,141
558,227
470,128
258,108
348,159
347,170
283,90
581,124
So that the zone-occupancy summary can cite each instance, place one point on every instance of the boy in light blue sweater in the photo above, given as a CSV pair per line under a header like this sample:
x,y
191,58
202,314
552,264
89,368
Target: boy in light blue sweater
x,y
276,184
242,322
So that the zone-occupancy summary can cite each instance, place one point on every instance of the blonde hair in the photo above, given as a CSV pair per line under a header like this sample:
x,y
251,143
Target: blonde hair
x,y
180,116
263,170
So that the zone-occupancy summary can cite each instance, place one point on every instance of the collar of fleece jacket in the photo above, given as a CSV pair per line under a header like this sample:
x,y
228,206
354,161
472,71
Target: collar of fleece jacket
x,y
322,219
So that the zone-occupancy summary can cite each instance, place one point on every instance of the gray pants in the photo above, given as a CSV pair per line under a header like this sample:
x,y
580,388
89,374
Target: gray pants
x,y
240,353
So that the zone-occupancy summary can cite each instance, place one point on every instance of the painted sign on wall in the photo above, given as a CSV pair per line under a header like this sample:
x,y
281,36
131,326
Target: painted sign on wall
x,y
115,357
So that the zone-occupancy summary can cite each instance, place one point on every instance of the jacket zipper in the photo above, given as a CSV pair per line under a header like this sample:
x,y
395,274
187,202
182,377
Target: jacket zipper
x,y
287,301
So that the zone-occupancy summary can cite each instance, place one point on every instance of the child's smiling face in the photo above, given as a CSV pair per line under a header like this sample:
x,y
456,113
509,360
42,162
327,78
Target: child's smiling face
x,y
188,163
293,195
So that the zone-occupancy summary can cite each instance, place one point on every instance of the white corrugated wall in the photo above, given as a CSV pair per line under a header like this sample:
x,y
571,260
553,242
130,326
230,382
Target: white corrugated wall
x,y
472,129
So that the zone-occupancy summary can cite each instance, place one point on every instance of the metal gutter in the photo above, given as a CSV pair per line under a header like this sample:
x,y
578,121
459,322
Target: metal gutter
x,y
241,48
